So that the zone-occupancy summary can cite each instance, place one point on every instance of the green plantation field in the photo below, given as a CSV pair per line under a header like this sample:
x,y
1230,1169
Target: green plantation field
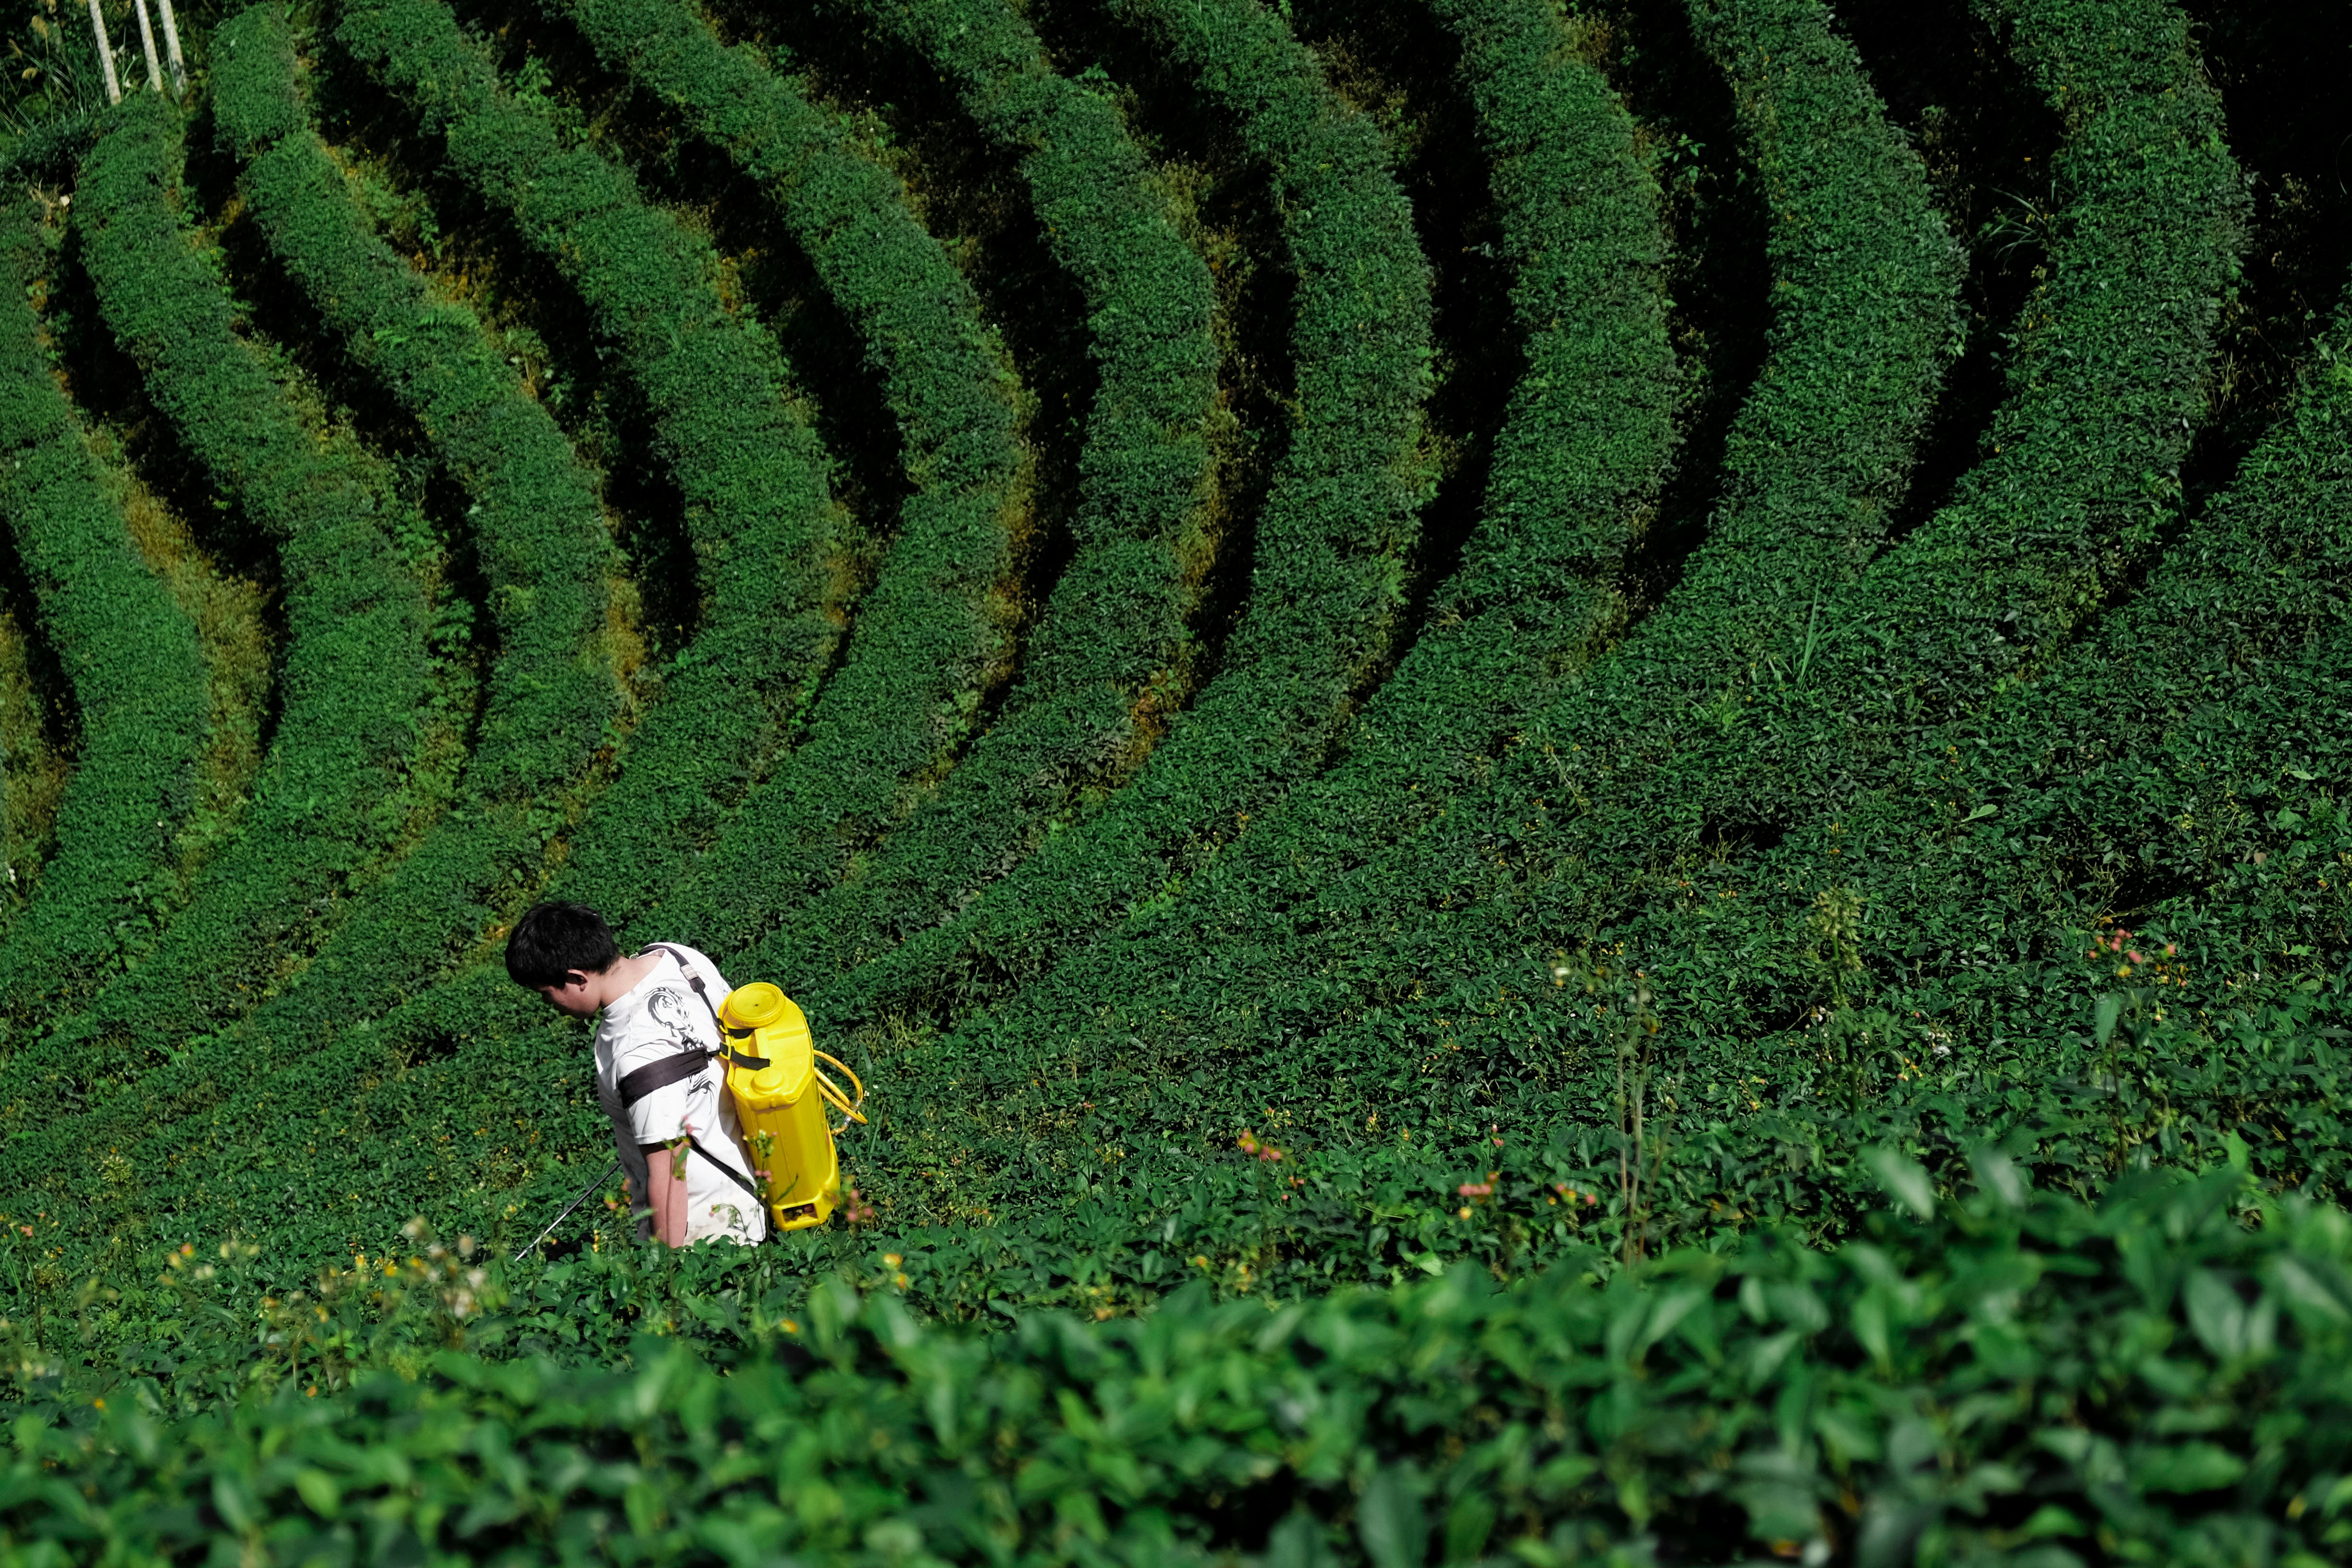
x,y
1575,776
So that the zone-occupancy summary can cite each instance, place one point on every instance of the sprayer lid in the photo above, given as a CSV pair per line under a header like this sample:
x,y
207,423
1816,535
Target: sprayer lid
x,y
753,1006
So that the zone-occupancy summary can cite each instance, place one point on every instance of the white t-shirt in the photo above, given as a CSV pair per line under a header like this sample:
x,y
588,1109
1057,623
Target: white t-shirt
x,y
657,1018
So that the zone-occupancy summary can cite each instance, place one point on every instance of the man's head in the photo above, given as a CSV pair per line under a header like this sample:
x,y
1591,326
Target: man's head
x,y
559,951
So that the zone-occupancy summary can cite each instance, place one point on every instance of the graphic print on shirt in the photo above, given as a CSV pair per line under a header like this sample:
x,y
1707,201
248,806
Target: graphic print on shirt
x,y
669,1008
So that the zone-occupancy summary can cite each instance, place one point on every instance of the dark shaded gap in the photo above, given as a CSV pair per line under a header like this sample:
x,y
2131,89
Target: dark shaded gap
x,y
108,388
2138,890
1722,838
1224,207
543,325
1986,137
1718,273
1397,64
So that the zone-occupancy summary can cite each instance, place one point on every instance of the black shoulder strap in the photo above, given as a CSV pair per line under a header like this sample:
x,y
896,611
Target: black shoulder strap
x,y
634,1087
694,982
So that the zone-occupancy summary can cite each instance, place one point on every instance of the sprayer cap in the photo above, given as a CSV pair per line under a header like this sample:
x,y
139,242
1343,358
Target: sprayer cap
x,y
753,1006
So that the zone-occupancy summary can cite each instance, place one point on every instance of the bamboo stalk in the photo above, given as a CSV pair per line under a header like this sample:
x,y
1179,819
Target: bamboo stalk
x,y
147,42
172,50
105,54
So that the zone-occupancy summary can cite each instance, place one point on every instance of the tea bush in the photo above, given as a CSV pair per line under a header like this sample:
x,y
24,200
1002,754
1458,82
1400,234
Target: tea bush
x,y
2010,1372
333,800
1561,969
137,671
716,386
1107,657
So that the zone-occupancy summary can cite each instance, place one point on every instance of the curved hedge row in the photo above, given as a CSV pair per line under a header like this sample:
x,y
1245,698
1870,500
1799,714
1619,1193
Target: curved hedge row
x,y
1443,947
2106,384
538,533
2182,754
1865,277
1106,653
1341,514
132,655
935,630
1586,440
353,671
763,525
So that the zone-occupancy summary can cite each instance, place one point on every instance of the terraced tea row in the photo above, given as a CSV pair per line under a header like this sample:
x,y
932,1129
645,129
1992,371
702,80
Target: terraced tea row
x,y
139,684
1424,977
1106,828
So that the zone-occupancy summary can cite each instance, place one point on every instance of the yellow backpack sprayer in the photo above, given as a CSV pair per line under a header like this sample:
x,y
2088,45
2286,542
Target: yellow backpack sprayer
x,y
781,1102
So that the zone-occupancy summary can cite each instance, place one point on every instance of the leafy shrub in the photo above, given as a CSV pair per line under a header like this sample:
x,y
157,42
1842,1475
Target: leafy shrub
x,y
1105,659
493,141
2018,1374
2175,753
330,801
138,675
1877,721
933,634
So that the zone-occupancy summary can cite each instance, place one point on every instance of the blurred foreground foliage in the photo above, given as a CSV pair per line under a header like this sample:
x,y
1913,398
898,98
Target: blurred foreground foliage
x,y
2103,1316
2021,1377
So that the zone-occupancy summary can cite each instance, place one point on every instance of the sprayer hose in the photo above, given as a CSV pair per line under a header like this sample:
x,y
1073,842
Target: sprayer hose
x,y
833,1095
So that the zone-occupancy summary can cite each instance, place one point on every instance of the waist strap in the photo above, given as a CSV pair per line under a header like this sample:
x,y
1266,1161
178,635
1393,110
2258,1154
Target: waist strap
x,y
729,1171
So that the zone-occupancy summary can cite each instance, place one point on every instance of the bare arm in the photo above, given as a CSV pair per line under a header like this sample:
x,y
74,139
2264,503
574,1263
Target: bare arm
x,y
666,1182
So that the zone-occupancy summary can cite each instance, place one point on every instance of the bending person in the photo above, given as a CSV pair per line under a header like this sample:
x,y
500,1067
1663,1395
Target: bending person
x,y
660,1069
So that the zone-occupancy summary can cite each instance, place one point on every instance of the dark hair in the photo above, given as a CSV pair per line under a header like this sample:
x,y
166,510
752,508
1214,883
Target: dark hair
x,y
553,940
